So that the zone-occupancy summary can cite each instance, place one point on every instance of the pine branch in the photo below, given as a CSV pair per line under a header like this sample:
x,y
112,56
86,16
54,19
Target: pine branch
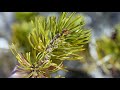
x,y
53,41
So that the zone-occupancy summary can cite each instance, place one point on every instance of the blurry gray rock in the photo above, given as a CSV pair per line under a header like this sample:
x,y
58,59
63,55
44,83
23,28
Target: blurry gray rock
x,y
7,62
4,43
6,19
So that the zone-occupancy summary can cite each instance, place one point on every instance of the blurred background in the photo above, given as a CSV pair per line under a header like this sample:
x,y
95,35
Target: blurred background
x,y
102,54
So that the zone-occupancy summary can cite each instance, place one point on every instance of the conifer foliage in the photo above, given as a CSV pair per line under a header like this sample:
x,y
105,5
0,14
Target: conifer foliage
x,y
52,41
110,49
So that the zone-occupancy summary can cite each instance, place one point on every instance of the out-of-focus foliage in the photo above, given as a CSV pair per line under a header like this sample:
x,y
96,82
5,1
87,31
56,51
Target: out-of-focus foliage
x,y
53,41
21,29
110,47
25,16
20,32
